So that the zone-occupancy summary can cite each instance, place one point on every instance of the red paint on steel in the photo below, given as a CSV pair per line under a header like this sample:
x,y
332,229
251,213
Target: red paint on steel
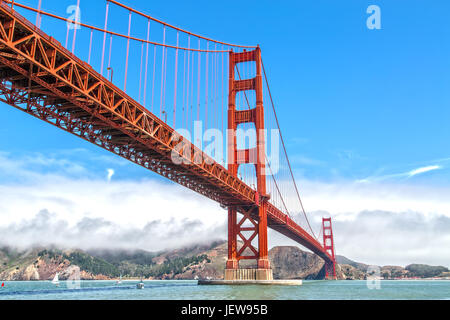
x,y
176,28
256,216
43,79
328,244
100,29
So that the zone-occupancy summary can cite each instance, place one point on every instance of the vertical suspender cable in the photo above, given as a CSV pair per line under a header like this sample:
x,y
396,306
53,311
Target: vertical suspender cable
x,y
188,82
164,83
192,90
140,71
175,85
109,57
212,90
154,72
215,85
104,36
67,36
222,115
128,53
206,86
38,15
75,25
146,62
90,46
198,82
184,91
162,72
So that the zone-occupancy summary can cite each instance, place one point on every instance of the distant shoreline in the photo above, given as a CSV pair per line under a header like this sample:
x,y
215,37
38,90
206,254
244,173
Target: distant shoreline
x,y
191,263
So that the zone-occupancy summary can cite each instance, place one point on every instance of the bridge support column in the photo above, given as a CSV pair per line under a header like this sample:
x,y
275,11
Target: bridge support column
x,y
254,221
328,244
232,262
263,259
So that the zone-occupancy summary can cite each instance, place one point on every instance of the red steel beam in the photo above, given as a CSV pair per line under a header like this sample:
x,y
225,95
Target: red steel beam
x,y
40,77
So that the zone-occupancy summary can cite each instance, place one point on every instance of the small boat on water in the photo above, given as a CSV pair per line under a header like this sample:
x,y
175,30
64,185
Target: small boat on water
x,y
55,280
120,280
140,285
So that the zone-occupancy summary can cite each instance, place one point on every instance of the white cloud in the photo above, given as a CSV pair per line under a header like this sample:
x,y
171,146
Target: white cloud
x,y
110,174
44,208
353,197
50,229
423,170
394,238
379,223
408,174
57,211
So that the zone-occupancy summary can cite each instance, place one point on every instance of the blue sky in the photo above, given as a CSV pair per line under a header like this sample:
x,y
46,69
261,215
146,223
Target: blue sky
x,y
352,102
356,106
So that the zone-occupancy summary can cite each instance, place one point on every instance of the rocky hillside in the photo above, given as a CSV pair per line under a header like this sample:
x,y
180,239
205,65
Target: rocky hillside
x,y
41,264
196,262
293,263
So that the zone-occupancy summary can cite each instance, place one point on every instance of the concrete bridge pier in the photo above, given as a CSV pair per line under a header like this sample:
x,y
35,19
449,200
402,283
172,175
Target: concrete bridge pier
x,y
250,277
248,274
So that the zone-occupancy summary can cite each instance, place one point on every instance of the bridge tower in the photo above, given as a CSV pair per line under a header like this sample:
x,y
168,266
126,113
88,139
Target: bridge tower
x,y
256,215
328,244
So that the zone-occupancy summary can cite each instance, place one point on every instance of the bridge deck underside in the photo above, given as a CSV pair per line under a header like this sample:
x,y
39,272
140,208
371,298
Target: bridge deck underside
x,y
43,79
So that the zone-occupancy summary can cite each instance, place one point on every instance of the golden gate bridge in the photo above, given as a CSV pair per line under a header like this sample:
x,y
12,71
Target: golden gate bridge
x,y
183,84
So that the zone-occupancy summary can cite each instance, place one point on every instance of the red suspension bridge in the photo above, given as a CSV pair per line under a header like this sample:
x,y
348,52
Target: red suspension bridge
x,y
190,94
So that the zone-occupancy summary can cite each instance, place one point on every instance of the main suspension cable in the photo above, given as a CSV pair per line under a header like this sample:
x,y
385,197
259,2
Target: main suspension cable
x,y
285,152
41,12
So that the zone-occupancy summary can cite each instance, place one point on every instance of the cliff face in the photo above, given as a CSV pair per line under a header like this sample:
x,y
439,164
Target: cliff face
x,y
34,265
39,269
214,269
290,262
